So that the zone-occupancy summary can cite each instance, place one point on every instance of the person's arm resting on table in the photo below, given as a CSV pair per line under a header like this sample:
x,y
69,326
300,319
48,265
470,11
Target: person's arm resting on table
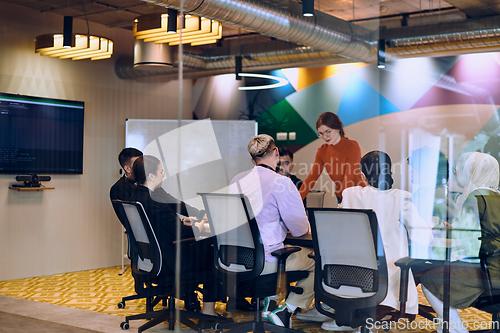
x,y
291,208
316,170
160,195
420,232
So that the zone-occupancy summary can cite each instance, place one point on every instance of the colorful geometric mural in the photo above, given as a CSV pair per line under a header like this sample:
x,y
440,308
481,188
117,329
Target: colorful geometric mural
x,y
282,117
361,101
359,92
448,105
411,103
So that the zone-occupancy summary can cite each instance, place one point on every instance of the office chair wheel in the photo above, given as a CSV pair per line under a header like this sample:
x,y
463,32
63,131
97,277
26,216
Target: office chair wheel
x,y
125,325
121,305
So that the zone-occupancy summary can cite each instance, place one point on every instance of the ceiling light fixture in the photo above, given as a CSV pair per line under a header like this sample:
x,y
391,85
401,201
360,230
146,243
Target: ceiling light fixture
x,y
196,30
381,53
85,47
308,7
238,67
281,81
73,46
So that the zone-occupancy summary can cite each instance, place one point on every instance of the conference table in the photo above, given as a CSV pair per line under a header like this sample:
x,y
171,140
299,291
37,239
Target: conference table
x,y
303,241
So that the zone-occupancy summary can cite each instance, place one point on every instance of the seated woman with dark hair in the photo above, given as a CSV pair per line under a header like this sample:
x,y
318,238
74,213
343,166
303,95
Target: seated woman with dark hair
x,y
195,256
397,218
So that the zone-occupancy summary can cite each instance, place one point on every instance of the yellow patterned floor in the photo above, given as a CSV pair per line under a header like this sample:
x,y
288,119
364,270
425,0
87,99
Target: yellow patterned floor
x,y
100,290
96,290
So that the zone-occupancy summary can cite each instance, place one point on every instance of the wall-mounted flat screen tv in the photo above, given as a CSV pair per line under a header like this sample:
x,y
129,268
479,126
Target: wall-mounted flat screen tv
x,y
40,135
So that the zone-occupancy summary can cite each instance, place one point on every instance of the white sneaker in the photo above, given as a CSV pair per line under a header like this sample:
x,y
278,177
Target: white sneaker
x,y
313,315
282,317
332,326
269,306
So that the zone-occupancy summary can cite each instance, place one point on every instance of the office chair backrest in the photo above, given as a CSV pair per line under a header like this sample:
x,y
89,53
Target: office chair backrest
x,y
349,255
146,257
315,199
238,245
489,300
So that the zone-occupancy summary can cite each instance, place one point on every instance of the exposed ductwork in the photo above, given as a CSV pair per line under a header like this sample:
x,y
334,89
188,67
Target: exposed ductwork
x,y
476,8
198,66
327,40
474,35
284,20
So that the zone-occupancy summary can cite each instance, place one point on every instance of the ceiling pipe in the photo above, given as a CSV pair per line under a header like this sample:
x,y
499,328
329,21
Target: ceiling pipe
x,y
331,34
471,36
322,31
205,66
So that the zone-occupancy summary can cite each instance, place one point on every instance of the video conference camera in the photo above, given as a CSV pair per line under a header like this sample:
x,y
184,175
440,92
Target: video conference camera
x,y
32,180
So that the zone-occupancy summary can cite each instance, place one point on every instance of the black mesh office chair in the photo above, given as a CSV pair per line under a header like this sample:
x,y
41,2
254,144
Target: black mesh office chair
x,y
351,271
151,282
122,303
489,300
240,258
150,301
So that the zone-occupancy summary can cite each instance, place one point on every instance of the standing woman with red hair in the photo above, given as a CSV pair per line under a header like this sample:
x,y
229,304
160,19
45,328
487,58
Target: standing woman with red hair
x,y
339,155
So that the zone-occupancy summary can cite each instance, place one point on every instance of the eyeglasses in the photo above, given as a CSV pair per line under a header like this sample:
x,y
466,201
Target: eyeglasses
x,y
162,172
325,133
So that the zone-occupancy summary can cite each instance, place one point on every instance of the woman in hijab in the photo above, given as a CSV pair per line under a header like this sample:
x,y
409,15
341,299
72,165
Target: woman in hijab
x,y
397,217
478,174
461,178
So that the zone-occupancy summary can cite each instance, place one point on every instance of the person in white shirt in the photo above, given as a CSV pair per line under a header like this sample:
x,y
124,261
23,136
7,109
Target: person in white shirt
x,y
398,220
278,208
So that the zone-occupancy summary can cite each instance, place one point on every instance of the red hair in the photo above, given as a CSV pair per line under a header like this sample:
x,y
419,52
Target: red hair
x,y
331,120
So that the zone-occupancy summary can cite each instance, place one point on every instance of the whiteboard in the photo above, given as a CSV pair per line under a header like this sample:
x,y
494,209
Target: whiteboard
x,y
197,156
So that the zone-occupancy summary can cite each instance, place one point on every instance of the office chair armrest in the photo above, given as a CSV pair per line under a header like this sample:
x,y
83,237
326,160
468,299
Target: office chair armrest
x,y
483,259
470,259
485,273
283,254
185,240
404,265
406,262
